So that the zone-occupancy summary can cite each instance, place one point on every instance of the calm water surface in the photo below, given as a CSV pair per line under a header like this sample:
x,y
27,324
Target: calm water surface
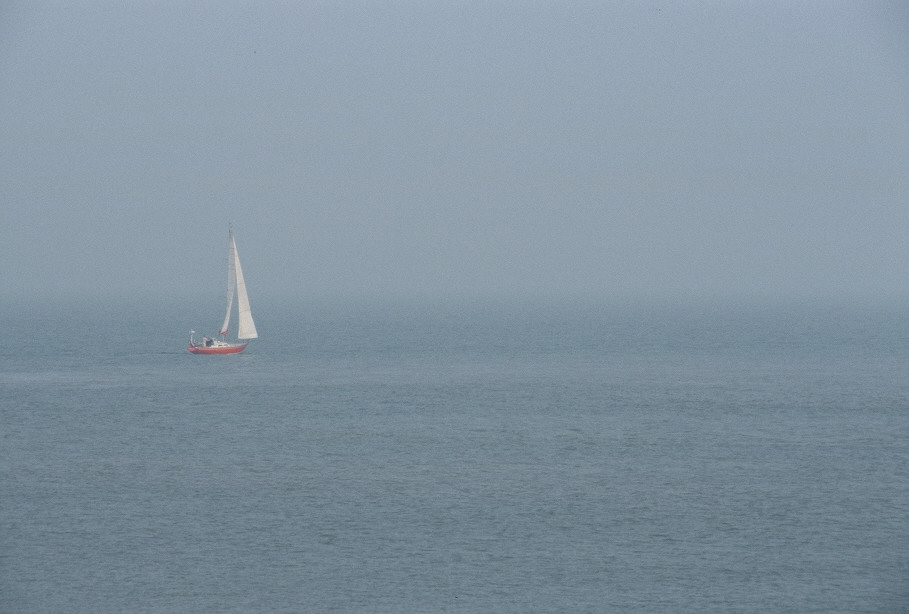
x,y
486,458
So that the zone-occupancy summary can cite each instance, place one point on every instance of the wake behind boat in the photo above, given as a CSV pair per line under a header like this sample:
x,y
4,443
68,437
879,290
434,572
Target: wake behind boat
x,y
246,328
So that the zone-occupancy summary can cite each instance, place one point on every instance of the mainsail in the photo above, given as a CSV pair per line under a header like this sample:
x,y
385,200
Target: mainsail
x,y
246,328
235,284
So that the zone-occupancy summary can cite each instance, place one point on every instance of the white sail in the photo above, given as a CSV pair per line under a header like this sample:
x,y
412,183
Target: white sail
x,y
246,328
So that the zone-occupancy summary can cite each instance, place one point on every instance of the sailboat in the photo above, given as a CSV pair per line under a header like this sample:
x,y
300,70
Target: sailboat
x,y
246,328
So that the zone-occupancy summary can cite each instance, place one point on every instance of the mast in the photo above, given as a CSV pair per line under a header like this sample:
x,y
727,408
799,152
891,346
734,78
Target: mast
x,y
246,328
232,262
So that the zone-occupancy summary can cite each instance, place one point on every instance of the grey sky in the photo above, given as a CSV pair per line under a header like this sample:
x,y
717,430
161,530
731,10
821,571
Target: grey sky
x,y
435,148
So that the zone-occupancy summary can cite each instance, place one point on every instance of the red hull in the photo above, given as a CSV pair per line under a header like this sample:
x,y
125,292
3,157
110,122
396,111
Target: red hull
x,y
230,349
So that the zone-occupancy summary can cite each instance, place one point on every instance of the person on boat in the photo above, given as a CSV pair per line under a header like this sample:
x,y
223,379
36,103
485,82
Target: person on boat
x,y
208,341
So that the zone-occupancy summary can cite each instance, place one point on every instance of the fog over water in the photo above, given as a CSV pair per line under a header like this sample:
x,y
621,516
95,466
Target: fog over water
x,y
699,404
443,149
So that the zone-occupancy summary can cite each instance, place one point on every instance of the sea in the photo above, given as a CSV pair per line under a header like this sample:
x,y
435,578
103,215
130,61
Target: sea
x,y
456,456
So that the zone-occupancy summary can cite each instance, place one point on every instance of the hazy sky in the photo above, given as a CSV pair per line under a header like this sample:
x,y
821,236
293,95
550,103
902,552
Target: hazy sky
x,y
441,148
